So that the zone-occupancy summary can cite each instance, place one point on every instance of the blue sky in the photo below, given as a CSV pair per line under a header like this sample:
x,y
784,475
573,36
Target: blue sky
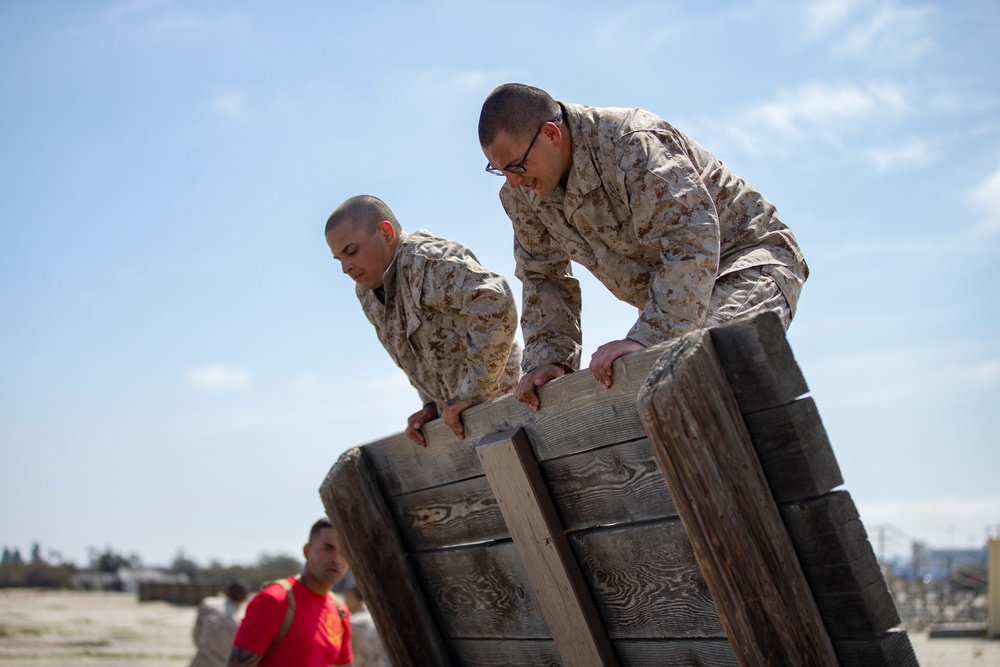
x,y
183,361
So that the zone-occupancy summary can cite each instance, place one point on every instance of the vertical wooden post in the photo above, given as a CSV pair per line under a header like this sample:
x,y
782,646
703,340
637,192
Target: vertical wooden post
x,y
704,450
376,554
541,543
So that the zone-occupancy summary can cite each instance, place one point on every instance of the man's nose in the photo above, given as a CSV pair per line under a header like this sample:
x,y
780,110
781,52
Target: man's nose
x,y
514,180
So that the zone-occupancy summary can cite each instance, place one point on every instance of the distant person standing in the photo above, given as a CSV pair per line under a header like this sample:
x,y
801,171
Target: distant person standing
x,y
297,622
365,642
215,626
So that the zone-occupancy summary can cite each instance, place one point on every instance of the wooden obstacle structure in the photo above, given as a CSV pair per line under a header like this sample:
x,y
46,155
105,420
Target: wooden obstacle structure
x,y
551,538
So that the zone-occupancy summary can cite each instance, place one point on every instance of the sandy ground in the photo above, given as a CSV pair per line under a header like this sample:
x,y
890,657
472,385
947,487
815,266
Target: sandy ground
x,y
53,629
59,628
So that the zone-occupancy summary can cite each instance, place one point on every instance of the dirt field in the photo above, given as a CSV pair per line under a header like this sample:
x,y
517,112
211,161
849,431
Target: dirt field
x,y
54,629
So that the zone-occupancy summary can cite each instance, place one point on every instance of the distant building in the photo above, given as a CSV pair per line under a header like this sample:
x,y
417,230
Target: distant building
x,y
123,579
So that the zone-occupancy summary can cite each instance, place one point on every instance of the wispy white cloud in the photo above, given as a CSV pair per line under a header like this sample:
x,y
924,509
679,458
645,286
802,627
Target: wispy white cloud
x,y
815,111
912,152
127,8
987,372
884,29
985,199
163,19
233,107
215,377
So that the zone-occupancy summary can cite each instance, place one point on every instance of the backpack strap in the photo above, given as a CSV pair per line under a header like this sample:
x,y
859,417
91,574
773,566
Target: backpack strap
x,y
287,584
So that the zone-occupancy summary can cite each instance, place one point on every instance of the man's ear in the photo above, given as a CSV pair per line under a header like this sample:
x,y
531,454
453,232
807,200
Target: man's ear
x,y
387,230
553,133
305,551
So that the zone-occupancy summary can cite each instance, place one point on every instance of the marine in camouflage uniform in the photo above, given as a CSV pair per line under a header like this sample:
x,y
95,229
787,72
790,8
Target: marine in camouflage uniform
x,y
654,216
448,322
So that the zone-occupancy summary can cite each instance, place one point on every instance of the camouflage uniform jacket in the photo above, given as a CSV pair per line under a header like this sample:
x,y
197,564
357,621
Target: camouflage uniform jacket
x,y
653,216
446,321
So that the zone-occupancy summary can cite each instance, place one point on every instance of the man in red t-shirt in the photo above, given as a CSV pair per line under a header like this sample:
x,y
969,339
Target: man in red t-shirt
x,y
320,630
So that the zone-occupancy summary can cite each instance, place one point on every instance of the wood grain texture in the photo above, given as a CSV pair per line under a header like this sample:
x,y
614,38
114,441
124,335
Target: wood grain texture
x,y
577,415
676,653
893,649
651,589
698,435
380,565
465,512
840,566
794,450
541,543
481,592
646,582
631,653
506,653
607,486
759,363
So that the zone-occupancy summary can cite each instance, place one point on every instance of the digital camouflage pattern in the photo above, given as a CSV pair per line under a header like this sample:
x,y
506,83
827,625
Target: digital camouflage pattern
x,y
447,322
654,217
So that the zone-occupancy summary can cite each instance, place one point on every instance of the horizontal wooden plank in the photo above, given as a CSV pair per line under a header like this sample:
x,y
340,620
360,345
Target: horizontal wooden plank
x,y
577,415
643,578
840,566
612,485
481,592
452,515
893,649
676,653
758,362
794,450
631,653
506,653
646,583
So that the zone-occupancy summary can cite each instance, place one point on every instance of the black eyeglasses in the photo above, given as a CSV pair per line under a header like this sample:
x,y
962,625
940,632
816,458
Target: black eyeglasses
x,y
518,167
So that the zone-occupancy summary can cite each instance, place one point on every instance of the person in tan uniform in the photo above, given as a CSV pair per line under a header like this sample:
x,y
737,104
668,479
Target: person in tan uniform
x,y
653,215
449,323
216,624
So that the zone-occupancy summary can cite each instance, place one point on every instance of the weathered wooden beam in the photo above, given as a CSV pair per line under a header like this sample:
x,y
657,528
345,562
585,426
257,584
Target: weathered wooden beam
x,y
746,557
577,414
637,653
644,580
611,485
646,583
375,552
794,450
893,649
541,543
758,361
840,566
481,592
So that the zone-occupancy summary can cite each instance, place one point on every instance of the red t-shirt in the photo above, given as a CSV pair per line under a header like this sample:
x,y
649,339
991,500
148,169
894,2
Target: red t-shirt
x,y
318,636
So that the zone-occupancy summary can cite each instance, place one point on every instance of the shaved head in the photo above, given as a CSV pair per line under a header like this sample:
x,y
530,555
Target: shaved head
x,y
363,212
516,110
